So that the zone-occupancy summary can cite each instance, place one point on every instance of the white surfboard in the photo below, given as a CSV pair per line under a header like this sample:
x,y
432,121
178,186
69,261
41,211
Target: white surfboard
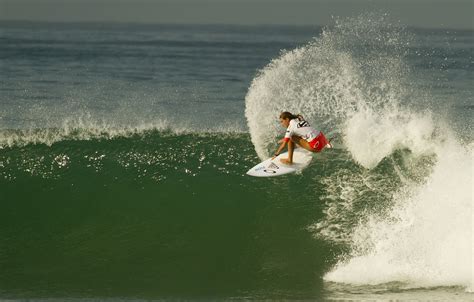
x,y
268,168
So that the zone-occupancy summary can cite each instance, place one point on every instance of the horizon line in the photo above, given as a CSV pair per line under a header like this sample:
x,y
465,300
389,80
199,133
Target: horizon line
x,y
112,22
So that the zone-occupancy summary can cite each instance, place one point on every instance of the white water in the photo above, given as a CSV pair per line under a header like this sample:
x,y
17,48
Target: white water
x,y
86,127
427,238
326,82
353,80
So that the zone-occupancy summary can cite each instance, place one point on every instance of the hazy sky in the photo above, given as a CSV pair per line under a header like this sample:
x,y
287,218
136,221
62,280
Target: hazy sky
x,y
421,13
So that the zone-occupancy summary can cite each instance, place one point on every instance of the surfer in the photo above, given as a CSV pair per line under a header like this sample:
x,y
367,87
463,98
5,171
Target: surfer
x,y
298,131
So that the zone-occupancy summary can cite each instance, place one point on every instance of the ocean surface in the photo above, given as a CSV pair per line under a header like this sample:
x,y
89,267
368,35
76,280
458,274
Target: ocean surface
x,y
124,148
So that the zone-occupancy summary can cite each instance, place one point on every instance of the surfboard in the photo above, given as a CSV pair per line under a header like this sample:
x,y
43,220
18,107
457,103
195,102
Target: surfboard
x,y
270,168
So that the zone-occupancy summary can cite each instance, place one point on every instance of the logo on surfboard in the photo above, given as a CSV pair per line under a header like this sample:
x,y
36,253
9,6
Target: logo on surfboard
x,y
271,169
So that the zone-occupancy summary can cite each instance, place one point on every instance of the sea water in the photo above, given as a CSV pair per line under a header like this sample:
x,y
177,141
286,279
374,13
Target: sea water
x,y
124,147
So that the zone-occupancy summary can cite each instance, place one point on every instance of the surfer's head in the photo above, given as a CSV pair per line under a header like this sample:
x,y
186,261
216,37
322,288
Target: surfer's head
x,y
286,117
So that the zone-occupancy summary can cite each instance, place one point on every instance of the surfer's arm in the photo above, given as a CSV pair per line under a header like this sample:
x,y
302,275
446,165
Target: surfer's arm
x,y
282,146
284,141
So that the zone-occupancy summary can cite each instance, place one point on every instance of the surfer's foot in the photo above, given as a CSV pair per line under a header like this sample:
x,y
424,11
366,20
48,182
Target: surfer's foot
x,y
286,161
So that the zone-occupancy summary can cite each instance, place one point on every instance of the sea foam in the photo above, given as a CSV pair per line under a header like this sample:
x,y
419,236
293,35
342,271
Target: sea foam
x,y
354,80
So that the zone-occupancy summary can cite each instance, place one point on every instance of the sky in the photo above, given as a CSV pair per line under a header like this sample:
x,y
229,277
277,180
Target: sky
x,y
456,14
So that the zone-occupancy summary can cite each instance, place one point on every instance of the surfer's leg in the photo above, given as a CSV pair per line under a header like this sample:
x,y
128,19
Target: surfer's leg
x,y
291,147
289,160
302,142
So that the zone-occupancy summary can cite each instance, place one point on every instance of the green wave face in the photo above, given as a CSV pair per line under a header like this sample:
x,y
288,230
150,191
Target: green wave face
x,y
164,215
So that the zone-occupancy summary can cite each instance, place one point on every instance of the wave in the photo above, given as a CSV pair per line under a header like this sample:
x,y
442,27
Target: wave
x,y
85,128
425,238
406,214
151,156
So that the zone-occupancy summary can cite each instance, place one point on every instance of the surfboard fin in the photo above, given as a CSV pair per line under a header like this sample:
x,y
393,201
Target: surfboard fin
x,y
329,145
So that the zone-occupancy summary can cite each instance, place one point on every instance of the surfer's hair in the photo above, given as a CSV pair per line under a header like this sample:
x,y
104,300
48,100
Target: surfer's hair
x,y
288,115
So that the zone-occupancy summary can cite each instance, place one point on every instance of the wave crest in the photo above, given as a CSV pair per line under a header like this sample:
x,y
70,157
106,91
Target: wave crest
x,y
88,128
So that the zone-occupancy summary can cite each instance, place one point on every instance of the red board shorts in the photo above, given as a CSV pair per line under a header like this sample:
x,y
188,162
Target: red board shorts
x,y
319,142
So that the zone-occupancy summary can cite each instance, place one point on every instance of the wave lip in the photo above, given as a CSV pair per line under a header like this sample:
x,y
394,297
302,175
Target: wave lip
x,y
354,66
88,129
